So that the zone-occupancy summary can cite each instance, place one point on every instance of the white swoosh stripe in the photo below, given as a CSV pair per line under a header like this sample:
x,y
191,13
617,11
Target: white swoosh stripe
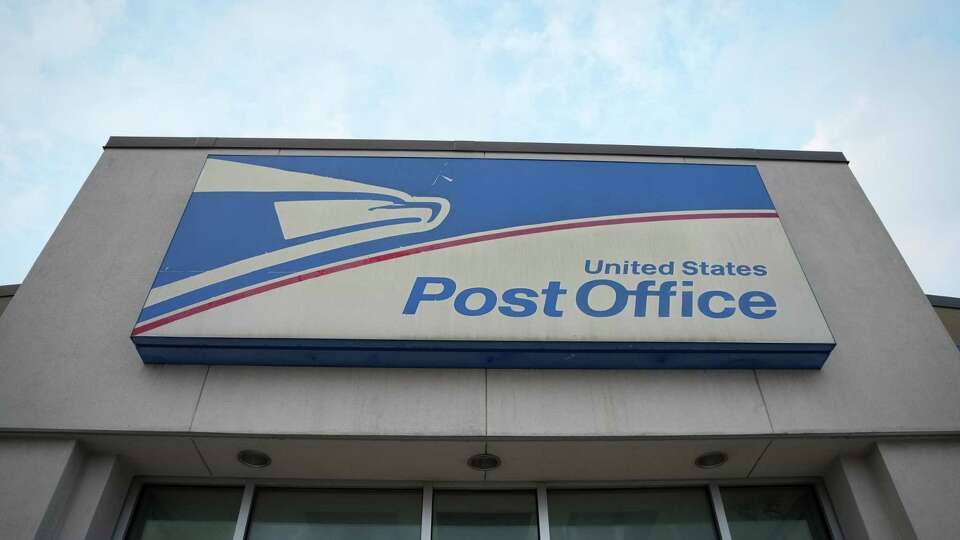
x,y
239,268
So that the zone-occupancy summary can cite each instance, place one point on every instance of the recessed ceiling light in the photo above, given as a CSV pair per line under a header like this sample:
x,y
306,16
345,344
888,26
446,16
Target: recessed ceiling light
x,y
254,459
483,462
710,460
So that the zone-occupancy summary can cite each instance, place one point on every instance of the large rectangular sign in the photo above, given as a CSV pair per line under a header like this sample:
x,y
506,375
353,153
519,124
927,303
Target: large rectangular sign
x,y
454,262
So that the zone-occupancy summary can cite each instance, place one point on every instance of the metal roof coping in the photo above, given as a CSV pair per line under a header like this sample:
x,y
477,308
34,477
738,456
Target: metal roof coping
x,y
223,143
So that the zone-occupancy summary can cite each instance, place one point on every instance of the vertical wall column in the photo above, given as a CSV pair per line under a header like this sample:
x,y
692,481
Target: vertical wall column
x,y
901,490
866,500
38,477
53,490
925,478
96,500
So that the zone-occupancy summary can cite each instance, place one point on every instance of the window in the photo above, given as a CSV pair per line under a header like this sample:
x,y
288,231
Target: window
x,y
652,514
335,514
485,515
186,513
792,512
768,513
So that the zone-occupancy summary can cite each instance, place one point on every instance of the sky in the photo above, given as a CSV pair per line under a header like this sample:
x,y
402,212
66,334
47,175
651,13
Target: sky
x,y
878,81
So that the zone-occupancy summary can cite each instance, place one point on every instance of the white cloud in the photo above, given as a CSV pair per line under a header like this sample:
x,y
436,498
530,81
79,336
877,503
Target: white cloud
x,y
899,151
25,209
63,29
898,126
850,78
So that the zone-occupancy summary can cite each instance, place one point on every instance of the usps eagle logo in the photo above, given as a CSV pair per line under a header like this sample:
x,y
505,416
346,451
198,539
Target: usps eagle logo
x,y
246,225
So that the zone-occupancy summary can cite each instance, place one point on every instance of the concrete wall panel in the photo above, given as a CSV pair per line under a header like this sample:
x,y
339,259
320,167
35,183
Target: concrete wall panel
x,y
67,359
331,401
623,403
894,367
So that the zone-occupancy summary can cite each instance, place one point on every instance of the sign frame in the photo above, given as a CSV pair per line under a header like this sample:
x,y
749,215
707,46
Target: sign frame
x,y
482,353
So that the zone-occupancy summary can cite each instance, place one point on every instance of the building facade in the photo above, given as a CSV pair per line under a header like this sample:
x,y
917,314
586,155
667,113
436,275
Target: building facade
x,y
948,309
155,387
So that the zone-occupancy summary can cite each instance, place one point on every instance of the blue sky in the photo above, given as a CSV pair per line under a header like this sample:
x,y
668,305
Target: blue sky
x,y
876,81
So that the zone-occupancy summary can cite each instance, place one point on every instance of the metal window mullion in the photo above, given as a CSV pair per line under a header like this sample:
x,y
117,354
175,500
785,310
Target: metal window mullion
x,y
718,512
543,513
243,517
826,509
126,513
426,514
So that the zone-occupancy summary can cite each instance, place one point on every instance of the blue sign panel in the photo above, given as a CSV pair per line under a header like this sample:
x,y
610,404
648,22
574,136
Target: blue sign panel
x,y
413,261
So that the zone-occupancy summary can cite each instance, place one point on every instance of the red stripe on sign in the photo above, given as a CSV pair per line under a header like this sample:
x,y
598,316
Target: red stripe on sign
x,y
434,247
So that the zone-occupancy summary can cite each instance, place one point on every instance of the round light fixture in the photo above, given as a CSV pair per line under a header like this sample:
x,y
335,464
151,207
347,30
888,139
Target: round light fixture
x,y
710,460
483,462
254,459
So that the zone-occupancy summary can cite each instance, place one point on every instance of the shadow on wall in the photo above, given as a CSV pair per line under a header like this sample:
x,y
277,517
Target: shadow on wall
x,y
948,309
6,294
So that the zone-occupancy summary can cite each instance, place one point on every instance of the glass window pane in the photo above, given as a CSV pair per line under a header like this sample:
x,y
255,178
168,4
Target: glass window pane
x,y
485,515
336,514
765,513
186,513
650,514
